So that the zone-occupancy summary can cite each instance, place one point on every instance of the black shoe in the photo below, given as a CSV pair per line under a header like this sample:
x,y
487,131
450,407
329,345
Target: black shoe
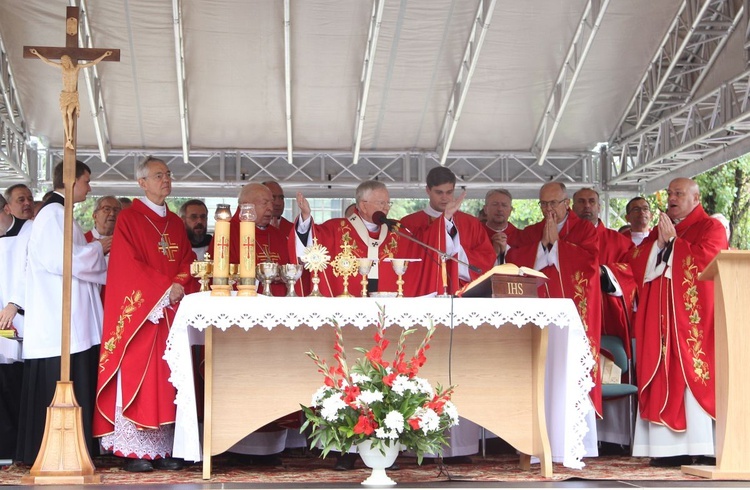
x,y
671,461
267,460
138,466
705,461
345,462
169,464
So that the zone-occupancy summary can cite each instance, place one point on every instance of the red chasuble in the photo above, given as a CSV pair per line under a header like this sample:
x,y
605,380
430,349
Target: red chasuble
x,y
286,227
510,231
270,246
474,241
577,279
617,311
337,231
148,254
674,327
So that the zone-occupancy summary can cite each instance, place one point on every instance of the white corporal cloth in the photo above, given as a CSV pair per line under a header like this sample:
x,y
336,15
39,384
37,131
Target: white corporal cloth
x,y
570,417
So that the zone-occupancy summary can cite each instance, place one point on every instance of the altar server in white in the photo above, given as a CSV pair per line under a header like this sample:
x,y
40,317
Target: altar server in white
x,y
42,329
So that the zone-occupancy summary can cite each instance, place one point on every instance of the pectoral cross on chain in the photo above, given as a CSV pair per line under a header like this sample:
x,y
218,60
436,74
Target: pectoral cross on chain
x,y
168,248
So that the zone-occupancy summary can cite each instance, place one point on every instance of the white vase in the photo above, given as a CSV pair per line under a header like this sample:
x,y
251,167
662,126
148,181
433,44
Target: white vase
x,y
373,458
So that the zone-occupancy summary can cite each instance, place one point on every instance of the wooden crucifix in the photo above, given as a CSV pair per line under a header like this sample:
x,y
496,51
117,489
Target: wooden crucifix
x,y
63,457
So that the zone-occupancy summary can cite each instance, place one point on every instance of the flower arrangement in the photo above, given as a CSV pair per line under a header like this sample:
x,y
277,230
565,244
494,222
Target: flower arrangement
x,y
379,401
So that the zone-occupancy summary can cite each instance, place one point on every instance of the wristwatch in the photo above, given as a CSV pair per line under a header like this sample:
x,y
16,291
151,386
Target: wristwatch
x,y
19,310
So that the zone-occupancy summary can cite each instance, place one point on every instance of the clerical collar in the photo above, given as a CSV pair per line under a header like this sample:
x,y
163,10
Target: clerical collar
x,y
371,227
562,223
432,212
160,210
95,233
499,231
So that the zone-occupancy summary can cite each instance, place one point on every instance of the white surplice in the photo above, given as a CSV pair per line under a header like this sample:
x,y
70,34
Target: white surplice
x,y
13,276
42,335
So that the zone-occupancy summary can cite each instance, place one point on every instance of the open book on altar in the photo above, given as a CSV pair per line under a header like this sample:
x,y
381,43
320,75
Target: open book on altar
x,y
504,281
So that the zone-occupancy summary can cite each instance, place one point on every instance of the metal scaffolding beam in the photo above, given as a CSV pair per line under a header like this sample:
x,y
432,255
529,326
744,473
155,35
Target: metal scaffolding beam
x,y
93,83
693,42
479,28
715,122
179,51
364,81
288,79
13,159
579,48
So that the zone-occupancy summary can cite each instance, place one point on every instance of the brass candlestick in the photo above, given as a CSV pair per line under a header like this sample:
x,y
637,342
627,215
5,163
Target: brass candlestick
x,y
345,264
316,260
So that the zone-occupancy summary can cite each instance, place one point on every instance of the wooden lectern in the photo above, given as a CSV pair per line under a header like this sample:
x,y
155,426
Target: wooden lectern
x,y
729,270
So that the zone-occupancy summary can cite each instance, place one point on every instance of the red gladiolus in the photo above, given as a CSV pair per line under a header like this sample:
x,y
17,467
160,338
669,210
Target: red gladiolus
x,y
388,380
329,382
375,356
415,423
365,426
351,393
437,405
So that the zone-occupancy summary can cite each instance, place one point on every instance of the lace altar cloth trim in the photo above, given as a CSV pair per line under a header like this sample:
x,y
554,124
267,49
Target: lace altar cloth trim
x,y
200,310
127,441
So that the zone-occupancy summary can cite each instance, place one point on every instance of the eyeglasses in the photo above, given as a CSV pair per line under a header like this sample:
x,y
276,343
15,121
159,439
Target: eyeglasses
x,y
161,176
382,204
552,204
109,209
644,209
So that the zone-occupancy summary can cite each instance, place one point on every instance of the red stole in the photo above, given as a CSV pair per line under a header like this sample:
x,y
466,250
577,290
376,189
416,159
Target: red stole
x,y
142,268
337,231
617,311
577,279
474,241
674,326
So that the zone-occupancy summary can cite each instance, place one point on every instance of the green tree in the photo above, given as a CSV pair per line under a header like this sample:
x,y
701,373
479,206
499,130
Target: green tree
x,y
726,190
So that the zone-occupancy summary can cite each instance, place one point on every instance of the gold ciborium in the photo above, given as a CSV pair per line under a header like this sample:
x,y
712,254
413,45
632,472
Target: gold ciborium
x,y
289,274
201,270
267,272
365,265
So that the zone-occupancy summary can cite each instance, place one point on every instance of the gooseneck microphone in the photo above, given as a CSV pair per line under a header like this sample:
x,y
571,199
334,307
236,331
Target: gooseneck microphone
x,y
379,218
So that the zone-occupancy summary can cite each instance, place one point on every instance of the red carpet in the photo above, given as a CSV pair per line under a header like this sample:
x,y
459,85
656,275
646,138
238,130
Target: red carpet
x,y
299,469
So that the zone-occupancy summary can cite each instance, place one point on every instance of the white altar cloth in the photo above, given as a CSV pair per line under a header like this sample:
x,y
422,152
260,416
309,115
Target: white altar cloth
x,y
571,430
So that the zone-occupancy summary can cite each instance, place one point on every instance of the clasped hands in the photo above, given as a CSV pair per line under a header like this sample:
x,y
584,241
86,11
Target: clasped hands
x,y
550,234
666,230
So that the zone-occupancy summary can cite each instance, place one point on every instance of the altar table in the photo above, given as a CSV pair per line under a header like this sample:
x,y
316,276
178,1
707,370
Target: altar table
x,y
259,372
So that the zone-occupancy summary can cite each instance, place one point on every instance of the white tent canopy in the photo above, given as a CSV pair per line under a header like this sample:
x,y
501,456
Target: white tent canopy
x,y
228,91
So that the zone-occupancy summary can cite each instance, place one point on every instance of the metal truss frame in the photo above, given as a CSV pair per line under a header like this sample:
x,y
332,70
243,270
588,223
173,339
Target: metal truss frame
x,y
715,122
579,48
93,83
220,173
376,18
288,78
179,53
479,28
14,164
692,44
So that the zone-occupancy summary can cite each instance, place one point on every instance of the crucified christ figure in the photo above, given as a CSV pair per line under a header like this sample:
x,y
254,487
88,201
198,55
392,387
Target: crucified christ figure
x,y
69,105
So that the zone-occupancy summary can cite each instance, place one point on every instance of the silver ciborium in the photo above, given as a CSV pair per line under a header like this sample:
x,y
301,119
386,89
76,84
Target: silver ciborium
x,y
289,274
267,272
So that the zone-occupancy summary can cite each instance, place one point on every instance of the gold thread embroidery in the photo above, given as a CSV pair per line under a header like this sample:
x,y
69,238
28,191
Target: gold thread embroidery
x,y
130,305
579,297
695,333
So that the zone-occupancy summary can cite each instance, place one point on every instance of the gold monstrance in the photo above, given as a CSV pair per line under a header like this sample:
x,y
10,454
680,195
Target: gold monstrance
x,y
316,260
345,264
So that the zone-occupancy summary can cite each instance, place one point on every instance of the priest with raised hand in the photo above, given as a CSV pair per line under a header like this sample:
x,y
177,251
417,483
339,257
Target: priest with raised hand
x,y
674,332
149,274
442,226
566,249
43,316
366,238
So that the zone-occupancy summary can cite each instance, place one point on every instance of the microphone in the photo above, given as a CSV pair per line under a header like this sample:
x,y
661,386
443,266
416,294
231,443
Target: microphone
x,y
379,218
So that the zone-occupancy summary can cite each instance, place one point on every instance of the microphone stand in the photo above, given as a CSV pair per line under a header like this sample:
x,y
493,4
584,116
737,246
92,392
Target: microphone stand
x,y
443,255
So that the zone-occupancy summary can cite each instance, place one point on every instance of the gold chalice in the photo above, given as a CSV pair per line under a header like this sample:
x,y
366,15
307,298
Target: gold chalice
x,y
201,270
289,274
267,272
399,267
364,269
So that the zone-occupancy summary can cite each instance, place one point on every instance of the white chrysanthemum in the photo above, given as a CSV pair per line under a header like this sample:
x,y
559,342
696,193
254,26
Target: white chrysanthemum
x,y
394,421
319,395
452,412
381,433
422,385
331,406
402,384
359,379
370,396
430,421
